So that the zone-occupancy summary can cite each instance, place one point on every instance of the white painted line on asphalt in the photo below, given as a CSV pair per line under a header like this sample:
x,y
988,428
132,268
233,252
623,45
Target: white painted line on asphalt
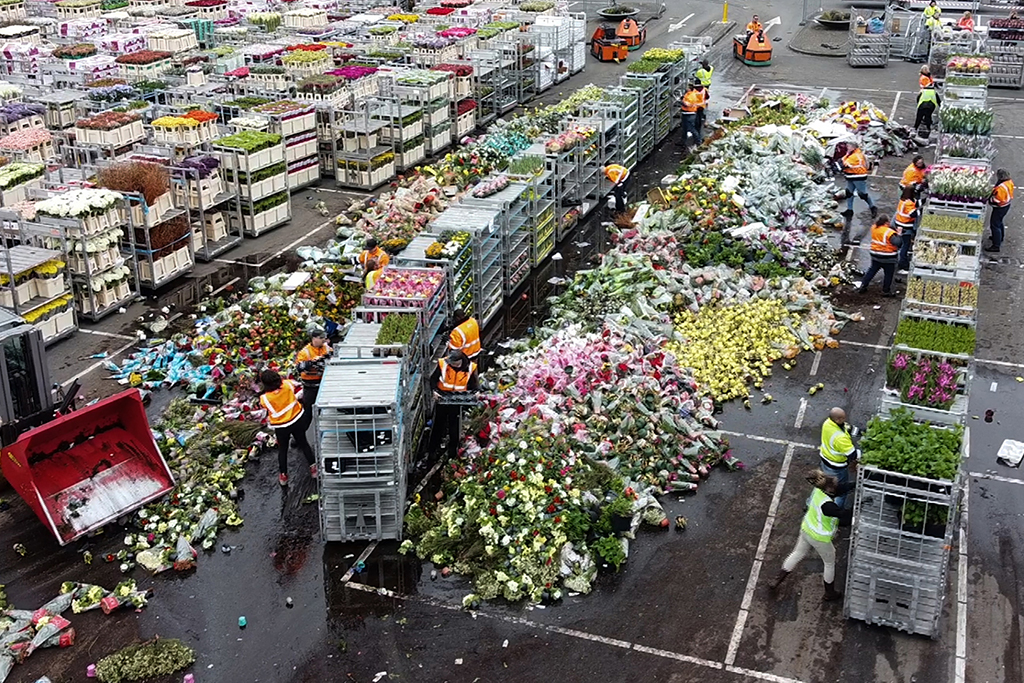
x,y
224,286
298,241
755,571
896,102
865,345
814,365
961,592
678,25
112,335
800,413
768,439
581,635
996,477
1009,137
1001,363
760,675
99,363
362,558
993,387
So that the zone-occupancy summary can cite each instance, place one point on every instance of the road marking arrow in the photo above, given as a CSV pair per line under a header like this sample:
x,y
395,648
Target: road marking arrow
x,y
772,22
676,27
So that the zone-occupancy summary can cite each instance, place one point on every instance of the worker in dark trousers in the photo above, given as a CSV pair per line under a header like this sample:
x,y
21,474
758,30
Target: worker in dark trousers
x,y
454,374
309,361
618,176
928,103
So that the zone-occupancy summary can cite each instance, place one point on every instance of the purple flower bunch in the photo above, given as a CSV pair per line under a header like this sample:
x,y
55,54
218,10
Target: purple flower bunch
x,y
927,382
204,163
16,111
352,73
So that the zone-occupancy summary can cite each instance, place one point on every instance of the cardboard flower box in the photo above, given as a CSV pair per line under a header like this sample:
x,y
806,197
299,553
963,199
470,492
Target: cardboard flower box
x,y
26,292
50,286
115,137
215,228
264,188
173,40
165,266
201,192
63,321
465,124
18,193
250,163
301,177
300,149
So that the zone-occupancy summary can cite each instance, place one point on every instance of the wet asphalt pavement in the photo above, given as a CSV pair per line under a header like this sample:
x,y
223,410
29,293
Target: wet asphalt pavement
x,y
688,606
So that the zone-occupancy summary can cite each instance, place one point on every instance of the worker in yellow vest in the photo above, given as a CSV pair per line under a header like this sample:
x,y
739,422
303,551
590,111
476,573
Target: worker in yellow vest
x,y
704,74
905,223
1002,197
454,374
928,102
285,415
373,272
932,15
885,246
817,529
465,335
617,175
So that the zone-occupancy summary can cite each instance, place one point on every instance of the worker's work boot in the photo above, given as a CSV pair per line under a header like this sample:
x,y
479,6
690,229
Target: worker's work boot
x,y
777,581
831,593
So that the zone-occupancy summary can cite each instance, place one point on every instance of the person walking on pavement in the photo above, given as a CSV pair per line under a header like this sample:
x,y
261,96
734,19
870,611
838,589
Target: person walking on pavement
x,y
285,415
885,246
928,102
617,175
465,335
906,225
309,361
455,374
704,74
818,528
854,166
372,251
837,451
1002,197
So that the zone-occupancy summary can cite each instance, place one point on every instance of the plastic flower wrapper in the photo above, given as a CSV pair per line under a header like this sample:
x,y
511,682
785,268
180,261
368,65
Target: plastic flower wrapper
x,y
85,597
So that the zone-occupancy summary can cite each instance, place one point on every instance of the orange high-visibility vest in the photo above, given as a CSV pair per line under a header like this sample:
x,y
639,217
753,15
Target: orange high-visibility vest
x,y
905,213
616,172
912,175
310,352
1002,195
466,338
692,101
925,81
754,27
382,257
283,408
966,23
880,244
855,165
372,277
456,381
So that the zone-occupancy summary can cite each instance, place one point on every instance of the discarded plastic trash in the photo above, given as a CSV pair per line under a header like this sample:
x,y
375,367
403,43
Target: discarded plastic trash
x,y
90,671
288,602
358,567
226,549
989,414
189,678
1011,453
379,675
242,622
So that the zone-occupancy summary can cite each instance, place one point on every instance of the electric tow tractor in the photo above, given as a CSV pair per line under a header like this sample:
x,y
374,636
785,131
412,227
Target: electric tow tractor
x,y
634,34
607,46
77,469
753,50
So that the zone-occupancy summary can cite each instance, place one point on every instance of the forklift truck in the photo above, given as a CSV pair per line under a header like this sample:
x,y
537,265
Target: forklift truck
x,y
77,469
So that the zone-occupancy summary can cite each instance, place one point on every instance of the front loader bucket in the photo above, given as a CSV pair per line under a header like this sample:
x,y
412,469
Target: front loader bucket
x,y
89,467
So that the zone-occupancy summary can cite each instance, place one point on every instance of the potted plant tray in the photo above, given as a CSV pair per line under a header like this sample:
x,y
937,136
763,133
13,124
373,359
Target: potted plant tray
x,y
215,227
264,188
33,121
18,193
300,177
256,225
300,149
250,162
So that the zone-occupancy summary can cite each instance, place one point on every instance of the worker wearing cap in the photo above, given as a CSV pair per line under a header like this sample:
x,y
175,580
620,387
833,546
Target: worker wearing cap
x,y
932,15
309,361
372,251
373,272
465,335
704,74
454,374
617,175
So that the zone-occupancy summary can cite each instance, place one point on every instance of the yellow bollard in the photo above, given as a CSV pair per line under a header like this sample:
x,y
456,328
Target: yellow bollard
x,y
725,12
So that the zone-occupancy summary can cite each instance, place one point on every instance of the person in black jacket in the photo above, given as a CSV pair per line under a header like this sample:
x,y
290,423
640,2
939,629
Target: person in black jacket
x,y
819,526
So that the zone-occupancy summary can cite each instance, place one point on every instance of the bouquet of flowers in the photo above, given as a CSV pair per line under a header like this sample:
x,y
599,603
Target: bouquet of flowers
x,y
79,203
959,183
489,186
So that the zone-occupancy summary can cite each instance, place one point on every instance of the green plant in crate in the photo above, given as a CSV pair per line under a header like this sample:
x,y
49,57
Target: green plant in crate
x,y
932,335
957,228
966,121
899,444
397,328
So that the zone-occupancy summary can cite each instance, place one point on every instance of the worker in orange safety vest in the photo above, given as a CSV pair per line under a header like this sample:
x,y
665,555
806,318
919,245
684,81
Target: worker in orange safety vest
x,y
885,245
693,102
617,175
851,161
372,251
906,225
454,374
754,25
309,361
465,335
1002,197
285,415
